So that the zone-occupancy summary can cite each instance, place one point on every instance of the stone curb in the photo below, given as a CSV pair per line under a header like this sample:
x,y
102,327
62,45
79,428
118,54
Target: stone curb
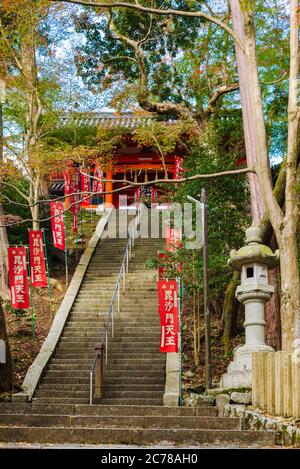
x,y
35,371
171,394
288,434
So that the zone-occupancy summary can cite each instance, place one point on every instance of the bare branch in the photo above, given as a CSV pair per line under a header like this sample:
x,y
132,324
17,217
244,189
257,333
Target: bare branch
x,y
217,95
231,172
12,186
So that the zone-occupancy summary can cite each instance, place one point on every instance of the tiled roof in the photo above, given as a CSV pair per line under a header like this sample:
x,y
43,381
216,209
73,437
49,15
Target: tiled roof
x,y
108,120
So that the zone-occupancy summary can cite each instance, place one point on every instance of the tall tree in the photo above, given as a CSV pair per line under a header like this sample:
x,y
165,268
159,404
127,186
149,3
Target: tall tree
x,y
3,233
20,38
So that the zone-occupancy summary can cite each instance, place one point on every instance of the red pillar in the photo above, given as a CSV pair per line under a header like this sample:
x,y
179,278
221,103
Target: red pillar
x,y
109,187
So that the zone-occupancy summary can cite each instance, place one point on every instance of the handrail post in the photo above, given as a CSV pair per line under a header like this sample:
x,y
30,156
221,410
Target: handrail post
x,y
99,371
127,263
91,387
112,321
124,284
119,298
106,347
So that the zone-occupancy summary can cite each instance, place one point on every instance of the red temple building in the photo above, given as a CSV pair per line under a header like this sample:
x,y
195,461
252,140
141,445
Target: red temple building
x,y
131,161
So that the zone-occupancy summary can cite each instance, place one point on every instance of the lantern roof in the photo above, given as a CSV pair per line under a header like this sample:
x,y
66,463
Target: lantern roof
x,y
254,251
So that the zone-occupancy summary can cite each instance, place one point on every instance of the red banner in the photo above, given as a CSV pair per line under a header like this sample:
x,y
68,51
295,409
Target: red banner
x,y
57,224
38,273
85,187
75,199
168,312
18,280
67,179
173,239
98,183
178,167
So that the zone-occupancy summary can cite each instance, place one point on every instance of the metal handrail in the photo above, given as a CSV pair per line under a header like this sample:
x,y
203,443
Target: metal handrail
x,y
103,344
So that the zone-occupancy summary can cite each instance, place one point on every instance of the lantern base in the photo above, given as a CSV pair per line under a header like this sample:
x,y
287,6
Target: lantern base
x,y
239,372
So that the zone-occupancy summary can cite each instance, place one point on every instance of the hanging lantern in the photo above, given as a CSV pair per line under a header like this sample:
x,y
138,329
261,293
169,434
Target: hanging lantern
x,y
124,177
135,177
146,176
156,175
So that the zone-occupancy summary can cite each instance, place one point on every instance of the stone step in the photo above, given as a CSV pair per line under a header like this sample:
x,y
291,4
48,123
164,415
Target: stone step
x,y
131,401
108,387
74,380
129,294
117,373
127,436
102,410
84,394
114,266
120,318
134,317
124,301
135,359
113,366
89,288
115,354
88,341
134,328
77,353
59,400
124,309
114,357
128,422
109,381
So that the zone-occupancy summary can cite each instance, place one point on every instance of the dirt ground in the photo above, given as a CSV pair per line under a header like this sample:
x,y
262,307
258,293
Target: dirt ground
x,y
23,344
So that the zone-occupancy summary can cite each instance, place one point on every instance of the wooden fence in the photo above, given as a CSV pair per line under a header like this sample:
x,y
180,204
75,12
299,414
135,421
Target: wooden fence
x,y
276,383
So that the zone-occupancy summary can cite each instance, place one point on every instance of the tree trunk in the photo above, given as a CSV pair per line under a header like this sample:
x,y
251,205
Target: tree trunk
x,y
272,309
3,233
289,273
230,309
257,207
283,225
6,381
35,210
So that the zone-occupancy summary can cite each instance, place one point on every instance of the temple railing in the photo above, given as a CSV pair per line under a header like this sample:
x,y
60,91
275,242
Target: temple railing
x,y
101,348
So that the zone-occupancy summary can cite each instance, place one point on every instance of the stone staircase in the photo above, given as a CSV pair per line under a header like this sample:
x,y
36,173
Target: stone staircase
x,y
126,425
130,411
136,370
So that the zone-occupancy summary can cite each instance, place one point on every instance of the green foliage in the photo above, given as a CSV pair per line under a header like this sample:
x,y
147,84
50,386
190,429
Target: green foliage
x,y
17,313
184,58
14,204
228,211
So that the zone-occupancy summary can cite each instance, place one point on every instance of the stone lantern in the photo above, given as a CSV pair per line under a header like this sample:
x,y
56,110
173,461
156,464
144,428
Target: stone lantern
x,y
253,260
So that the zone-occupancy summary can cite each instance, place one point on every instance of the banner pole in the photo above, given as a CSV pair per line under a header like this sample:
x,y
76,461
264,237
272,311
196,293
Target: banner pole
x,y
180,342
76,248
32,317
66,251
47,267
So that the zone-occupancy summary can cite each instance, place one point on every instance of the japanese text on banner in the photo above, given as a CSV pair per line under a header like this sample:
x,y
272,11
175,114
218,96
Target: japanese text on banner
x,y
38,273
18,280
57,224
168,312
